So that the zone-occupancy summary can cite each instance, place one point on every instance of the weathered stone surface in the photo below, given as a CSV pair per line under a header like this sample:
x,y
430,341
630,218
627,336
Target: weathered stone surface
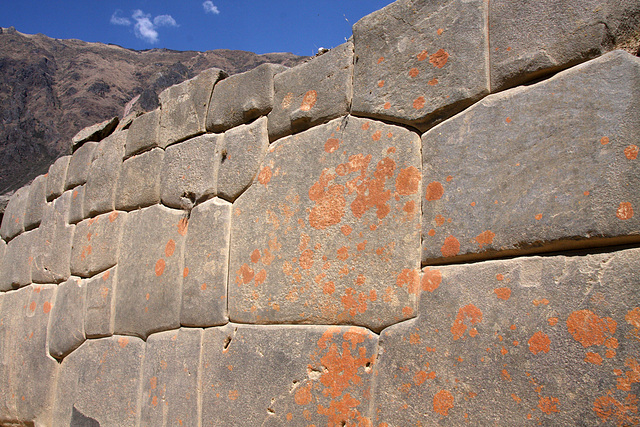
x,y
242,150
66,330
16,264
95,244
150,271
3,250
57,177
13,219
312,93
76,206
183,107
189,172
99,312
242,98
278,375
98,383
100,189
529,40
139,181
418,62
206,261
36,200
80,164
551,340
170,377
328,232
96,132
143,133
547,167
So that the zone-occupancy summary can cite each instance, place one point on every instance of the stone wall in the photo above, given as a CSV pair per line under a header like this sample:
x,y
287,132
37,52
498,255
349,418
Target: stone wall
x,y
432,223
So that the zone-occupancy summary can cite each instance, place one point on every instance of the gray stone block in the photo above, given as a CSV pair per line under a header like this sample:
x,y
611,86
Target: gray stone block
x,y
190,172
16,264
150,271
183,107
287,375
242,151
206,262
80,164
170,379
99,383
35,203
139,181
551,341
13,218
328,232
76,204
312,93
95,244
66,329
242,98
542,168
143,133
96,132
418,62
99,312
100,189
57,177
3,250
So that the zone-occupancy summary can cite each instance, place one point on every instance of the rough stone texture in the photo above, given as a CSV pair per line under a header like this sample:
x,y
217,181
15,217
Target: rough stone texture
x,y
150,270
143,133
80,164
242,150
170,377
99,312
190,172
418,62
16,264
206,261
314,375
13,219
96,132
328,232
100,189
35,203
529,40
98,383
76,206
551,340
66,330
57,177
547,167
139,181
242,98
184,107
95,244
312,93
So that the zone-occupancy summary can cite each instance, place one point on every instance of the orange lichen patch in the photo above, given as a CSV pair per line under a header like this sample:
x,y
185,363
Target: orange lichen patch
x,y
604,140
376,135
469,312
539,217
503,293
408,181
183,226
46,307
343,253
386,105
329,288
112,216
244,275
170,248
255,256
414,72
610,354
411,278
153,383
407,311
159,268
505,374
625,211
439,59
346,229
451,247
431,279
440,31
631,152
185,272
75,194
123,341
381,83
265,175
409,207
513,327
630,377
303,395
331,145
594,358
380,59
508,120
329,202
516,398
499,277
106,275
539,342
548,404
435,190
553,321
233,394
418,103
431,232
625,414
32,306
309,100
589,329
306,259
422,55
442,402
586,193
432,82
538,302
360,246
354,302
485,238
370,192
260,277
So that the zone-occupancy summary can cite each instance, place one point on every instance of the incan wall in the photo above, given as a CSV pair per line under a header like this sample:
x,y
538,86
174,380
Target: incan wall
x,y
425,225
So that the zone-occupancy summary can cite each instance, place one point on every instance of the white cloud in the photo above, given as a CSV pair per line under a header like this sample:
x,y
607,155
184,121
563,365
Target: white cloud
x,y
164,21
119,20
144,29
209,7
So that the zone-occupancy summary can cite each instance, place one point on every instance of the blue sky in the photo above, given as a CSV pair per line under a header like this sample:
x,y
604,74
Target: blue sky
x,y
297,26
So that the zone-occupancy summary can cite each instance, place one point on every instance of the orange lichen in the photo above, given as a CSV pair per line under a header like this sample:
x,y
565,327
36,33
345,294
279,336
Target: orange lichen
x,y
594,358
170,248
331,145
245,274
439,59
303,395
625,414
411,278
503,293
159,268
422,55
451,247
485,238
408,181
469,312
631,152
265,175
431,279
624,211
435,190
309,100
183,226
548,404
443,402
329,202
306,259
604,140
539,342
589,329
418,103
414,72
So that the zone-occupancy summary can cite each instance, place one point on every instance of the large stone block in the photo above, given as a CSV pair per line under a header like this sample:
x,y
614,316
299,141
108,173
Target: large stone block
x,y
35,203
328,232
66,329
96,243
80,164
547,167
419,62
242,151
98,384
150,271
170,379
551,340
183,107
206,265
531,39
16,264
96,132
57,177
242,98
139,181
99,312
281,375
13,218
143,133
100,189
190,172
312,93
76,206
